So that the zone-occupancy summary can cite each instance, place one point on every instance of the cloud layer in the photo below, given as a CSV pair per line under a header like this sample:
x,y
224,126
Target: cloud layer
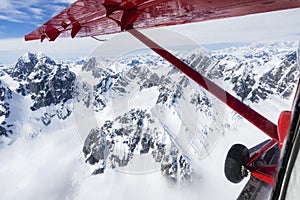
x,y
272,26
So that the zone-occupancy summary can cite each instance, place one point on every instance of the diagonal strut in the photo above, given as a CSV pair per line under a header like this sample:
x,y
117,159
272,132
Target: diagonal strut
x,y
245,111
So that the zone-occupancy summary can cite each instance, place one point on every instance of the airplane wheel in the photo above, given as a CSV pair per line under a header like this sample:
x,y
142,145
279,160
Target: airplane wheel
x,y
235,162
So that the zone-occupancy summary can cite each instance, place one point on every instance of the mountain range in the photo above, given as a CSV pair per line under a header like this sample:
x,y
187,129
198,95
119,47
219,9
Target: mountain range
x,y
141,109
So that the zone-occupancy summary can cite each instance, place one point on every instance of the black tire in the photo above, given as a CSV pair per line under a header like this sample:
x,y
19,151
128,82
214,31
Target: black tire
x,y
237,157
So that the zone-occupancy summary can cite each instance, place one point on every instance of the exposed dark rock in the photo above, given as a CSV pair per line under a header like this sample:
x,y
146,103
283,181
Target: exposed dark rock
x,y
115,147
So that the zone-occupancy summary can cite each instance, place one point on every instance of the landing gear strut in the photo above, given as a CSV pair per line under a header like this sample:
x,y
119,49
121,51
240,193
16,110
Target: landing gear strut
x,y
262,163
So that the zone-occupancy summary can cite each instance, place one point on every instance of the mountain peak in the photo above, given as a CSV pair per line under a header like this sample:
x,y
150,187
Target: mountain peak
x,y
28,62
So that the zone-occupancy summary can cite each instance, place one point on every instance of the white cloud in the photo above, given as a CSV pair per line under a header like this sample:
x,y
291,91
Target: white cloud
x,y
36,11
22,11
42,168
280,25
61,49
7,18
4,4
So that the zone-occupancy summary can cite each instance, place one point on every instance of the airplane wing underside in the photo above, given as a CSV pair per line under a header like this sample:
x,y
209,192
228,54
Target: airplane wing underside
x,y
86,18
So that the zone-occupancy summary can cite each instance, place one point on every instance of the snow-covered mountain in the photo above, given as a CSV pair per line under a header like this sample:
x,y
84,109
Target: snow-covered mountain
x,y
5,96
145,102
34,91
144,115
254,72
46,82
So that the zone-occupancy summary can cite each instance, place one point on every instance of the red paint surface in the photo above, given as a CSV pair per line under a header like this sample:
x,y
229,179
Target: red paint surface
x,y
92,15
284,122
264,177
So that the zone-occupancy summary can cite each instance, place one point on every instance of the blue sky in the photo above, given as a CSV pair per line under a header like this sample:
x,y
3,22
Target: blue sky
x,y
18,18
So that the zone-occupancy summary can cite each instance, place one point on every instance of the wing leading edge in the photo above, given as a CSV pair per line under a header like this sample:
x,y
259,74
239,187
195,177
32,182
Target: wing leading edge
x,y
86,18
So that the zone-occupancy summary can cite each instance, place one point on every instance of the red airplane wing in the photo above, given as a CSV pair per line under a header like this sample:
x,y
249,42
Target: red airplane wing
x,y
86,18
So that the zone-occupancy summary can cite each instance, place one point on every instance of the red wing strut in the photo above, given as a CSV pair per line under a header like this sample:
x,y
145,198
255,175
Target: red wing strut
x,y
248,113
